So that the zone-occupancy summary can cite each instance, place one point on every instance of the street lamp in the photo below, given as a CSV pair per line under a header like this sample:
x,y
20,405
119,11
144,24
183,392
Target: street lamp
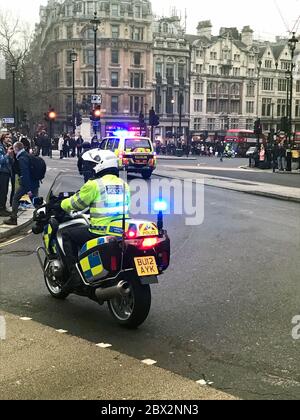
x,y
14,70
292,46
95,22
258,83
173,102
74,58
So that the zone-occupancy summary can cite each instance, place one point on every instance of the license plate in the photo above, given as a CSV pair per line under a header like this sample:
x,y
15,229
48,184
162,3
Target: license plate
x,y
146,266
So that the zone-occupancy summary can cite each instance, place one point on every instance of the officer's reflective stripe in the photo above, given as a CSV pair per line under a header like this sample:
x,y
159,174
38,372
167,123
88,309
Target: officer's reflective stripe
x,y
82,203
78,204
75,204
112,212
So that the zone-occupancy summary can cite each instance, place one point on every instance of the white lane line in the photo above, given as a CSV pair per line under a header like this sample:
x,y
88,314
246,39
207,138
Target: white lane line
x,y
149,362
62,331
104,345
24,318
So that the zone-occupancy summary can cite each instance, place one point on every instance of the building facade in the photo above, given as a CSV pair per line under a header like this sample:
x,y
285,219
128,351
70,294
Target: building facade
x,y
235,80
124,59
171,56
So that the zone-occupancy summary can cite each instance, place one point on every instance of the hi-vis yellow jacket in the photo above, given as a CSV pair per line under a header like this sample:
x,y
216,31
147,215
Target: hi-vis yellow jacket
x,y
105,199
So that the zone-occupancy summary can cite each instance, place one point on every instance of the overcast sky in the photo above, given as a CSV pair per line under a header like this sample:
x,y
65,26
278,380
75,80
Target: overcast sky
x,y
266,17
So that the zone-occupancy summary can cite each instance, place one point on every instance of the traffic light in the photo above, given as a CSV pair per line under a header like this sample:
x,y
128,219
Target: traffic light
x,y
96,113
78,120
23,116
258,127
51,115
153,118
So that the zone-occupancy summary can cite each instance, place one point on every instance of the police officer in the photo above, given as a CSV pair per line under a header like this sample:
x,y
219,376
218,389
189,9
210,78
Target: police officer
x,y
104,196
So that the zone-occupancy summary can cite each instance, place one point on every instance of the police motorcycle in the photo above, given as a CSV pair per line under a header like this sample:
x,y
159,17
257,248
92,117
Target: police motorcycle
x,y
117,270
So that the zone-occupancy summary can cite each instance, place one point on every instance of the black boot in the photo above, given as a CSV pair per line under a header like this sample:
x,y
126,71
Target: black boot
x,y
74,282
12,221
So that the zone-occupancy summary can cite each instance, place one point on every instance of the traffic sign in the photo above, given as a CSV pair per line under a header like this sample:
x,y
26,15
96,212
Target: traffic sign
x,y
97,99
8,120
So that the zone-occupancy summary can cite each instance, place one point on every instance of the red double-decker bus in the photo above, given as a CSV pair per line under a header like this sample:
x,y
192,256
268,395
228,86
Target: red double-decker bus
x,y
241,140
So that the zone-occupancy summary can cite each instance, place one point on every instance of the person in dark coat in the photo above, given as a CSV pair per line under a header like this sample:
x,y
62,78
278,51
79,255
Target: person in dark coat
x,y
66,146
6,158
85,168
28,185
72,144
79,143
95,143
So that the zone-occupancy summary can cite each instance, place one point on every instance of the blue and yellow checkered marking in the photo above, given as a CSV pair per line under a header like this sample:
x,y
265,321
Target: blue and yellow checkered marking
x,y
92,266
47,234
92,244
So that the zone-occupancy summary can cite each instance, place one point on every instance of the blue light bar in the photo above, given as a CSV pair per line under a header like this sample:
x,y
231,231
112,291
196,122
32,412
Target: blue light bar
x,y
160,205
121,133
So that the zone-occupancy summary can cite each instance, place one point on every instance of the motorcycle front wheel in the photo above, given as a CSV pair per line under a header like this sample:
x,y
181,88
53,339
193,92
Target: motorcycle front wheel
x,y
132,310
54,288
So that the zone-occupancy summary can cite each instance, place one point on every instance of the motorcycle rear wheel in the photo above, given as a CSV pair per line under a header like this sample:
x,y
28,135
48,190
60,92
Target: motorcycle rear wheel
x,y
133,310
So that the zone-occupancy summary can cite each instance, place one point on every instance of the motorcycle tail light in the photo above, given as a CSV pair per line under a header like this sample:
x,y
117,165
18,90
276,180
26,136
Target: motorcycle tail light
x,y
113,264
149,243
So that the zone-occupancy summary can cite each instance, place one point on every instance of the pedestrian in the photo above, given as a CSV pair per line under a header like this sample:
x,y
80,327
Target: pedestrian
x,y
221,150
26,144
281,159
72,144
6,158
275,154
38,144
79,143
61,146
95,143
66,146
46,144
28,182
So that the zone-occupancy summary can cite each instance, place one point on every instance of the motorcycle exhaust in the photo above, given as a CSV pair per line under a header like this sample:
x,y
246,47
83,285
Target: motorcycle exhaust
x,y
121,289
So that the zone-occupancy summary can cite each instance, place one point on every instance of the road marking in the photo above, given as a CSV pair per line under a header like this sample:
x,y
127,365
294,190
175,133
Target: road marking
x,y
149,362
25,319
62,331
103,345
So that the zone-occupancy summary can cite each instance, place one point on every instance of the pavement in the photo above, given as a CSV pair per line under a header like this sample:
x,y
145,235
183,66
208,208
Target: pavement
x,y
36,360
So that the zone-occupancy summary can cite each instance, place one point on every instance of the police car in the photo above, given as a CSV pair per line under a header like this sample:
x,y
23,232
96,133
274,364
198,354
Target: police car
x,y
135,153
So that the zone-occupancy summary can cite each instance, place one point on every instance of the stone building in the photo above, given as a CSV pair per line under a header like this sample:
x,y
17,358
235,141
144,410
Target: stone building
x,y
124,58
235,80
171,55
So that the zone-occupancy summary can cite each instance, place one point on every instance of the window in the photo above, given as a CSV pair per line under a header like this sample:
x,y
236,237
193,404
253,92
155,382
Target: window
x,y
199,68
170,70
236,71
115,31
281,107
137,34
213,70
69,78
237,57
158,69
223,89
235,107
211,124
250,107
114,10
197,124
114,104
212,105
69,104
56,78
225,71
251,90
137,11
285,65
223,106
56,55
249,124
251,72
298,86
213,55
114,79
198,105
90,8
89,57
89,34
137,80
235,90
69,32
268,64
212,89
69,61
199,87
268,84
137,58
115,56
88,79
235,122
181,71
282,85
136,104
266,107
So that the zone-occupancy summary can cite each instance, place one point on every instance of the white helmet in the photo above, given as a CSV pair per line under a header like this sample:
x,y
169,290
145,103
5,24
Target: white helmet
x,y
104,160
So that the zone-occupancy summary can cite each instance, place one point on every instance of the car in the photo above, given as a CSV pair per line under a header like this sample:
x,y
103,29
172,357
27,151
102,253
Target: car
x,y
135,153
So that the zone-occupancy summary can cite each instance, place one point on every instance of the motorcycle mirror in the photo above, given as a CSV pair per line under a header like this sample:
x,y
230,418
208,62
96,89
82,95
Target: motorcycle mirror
x,y
38,201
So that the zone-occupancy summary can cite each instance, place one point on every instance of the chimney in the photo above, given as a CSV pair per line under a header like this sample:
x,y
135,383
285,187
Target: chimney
x,y
247,36
204,28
